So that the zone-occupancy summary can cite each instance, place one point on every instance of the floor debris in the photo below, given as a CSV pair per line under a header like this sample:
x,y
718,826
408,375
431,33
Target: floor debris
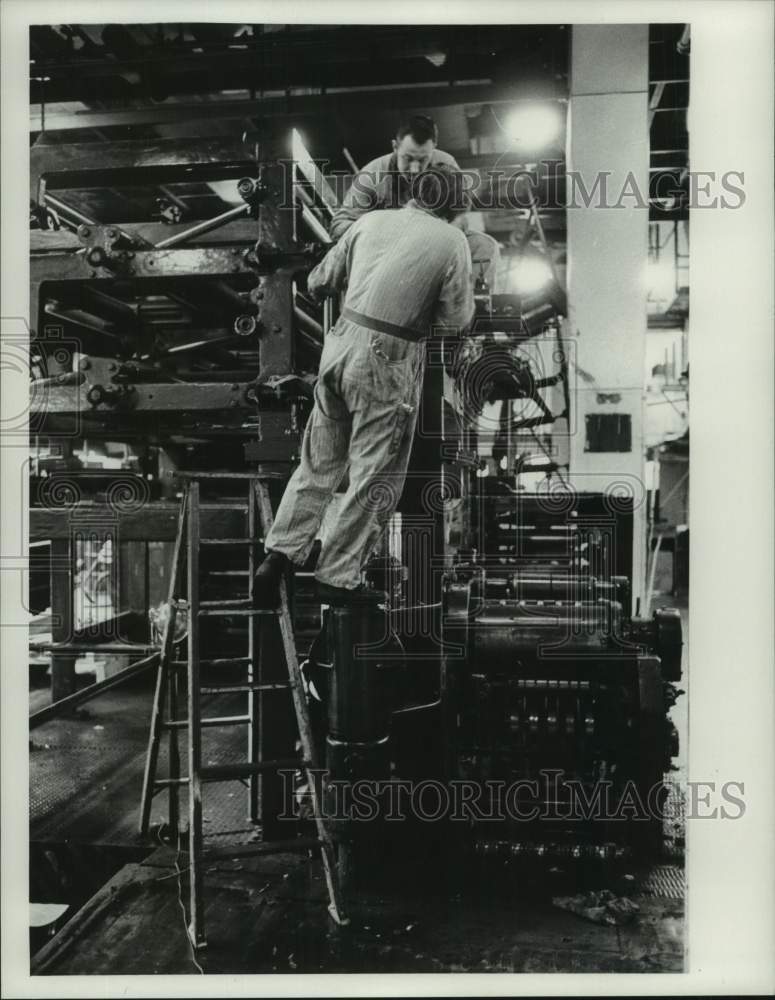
x,y
600,907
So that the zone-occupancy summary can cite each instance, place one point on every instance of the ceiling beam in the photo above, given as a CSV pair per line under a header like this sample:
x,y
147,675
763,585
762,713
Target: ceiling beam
x,y
343,44
392,98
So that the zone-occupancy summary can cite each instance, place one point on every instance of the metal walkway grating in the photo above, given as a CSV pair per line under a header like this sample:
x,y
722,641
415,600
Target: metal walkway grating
x,y
665,881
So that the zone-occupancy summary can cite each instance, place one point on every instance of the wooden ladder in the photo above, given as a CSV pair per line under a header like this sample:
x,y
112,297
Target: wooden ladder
x,y
259,520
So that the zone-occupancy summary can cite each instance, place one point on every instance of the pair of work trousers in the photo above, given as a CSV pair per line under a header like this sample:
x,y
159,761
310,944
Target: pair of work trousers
x,y
366,400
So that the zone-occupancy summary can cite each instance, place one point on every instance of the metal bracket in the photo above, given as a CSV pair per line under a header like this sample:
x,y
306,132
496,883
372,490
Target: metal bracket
x,y
106,246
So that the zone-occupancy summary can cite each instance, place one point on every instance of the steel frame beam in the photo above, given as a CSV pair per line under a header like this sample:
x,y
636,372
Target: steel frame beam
x,y
177,262
164,161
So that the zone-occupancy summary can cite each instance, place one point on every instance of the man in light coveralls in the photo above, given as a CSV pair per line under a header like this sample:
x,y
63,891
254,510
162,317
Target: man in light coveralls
x,y
386,182
407,274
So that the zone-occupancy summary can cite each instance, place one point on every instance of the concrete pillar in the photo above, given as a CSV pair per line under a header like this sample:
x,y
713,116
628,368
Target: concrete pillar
x,y
608,145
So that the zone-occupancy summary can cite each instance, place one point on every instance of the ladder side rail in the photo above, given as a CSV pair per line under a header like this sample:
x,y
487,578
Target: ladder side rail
x,y
196,927
163,677
336,906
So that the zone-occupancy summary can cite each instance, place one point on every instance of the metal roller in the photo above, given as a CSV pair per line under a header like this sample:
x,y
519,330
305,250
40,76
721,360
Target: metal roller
x,y
505,630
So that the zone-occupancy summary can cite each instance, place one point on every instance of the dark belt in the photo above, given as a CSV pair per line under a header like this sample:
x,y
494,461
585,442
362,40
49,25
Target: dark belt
x,y
382,325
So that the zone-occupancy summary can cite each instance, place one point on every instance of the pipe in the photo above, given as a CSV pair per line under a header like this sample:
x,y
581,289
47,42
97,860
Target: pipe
x,y
350,160
37,718
60,206
409,709
80,318
652,576
127,649
66,378
311,325
203,227
315,225
306,198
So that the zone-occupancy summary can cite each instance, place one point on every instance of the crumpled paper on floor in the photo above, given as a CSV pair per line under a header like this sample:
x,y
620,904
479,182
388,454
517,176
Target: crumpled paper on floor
x,y
601,907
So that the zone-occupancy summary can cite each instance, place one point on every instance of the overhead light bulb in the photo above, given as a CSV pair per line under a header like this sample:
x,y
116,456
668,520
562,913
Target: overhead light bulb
x,y
530,275
533,126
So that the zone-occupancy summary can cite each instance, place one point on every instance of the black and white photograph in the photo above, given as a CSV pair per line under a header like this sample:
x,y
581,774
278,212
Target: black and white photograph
x,y
348,581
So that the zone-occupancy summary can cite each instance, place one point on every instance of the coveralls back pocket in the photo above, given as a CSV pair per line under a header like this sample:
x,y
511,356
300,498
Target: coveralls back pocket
x,y
392,367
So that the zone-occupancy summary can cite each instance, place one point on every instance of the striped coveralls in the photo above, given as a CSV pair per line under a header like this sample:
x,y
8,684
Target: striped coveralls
x,y
407,274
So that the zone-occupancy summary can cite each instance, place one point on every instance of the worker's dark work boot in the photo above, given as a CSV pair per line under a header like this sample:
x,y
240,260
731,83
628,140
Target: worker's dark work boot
x,y
266,582
356,597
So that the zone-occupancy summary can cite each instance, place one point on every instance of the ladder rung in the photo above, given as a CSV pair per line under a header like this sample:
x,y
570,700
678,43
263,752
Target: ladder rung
x,y
269,847
244,612
222,720
206,474
231,688
231,541
160,783
229,661
231,772
227,602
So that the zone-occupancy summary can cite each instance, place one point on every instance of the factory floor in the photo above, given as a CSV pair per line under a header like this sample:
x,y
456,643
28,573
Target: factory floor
x,y
268,914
